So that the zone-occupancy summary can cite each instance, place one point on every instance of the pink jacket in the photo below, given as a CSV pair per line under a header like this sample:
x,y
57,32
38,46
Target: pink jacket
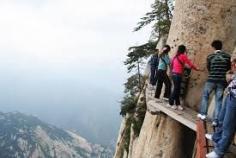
x,y
177,66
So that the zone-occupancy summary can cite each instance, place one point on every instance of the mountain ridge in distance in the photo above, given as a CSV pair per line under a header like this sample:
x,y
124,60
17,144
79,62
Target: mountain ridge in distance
x,y
25,136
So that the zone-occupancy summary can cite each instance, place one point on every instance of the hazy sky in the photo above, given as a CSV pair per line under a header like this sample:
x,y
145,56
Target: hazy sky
x,y
52,49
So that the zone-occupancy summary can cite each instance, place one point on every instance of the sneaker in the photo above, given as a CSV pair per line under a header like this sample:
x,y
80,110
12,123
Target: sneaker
x,y
151,87
168,105
174,107
208,136
214,123
199,115
165,99
212,155
179,107
202,117
158,100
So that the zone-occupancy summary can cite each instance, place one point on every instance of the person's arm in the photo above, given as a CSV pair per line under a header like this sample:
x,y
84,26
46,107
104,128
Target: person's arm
x,y
168,60
229,63
208,63
188,61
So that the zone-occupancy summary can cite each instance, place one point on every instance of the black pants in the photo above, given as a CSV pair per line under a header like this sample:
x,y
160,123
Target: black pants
x,y
163,77
175,95
153,77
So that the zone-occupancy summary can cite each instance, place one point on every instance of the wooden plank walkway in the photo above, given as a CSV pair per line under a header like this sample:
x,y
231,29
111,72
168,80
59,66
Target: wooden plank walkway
x,y
187,117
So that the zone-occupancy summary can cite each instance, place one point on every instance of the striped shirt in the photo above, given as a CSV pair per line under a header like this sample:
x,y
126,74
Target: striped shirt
x,y
218,64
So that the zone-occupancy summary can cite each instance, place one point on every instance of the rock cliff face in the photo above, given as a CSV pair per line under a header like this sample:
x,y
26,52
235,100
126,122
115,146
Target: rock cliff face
x,y
196,23
23,136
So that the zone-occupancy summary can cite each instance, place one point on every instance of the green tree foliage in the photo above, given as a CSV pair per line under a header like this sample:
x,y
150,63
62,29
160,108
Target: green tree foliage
x,y
139,116
161,14
134,63
128,105
138,53
136,81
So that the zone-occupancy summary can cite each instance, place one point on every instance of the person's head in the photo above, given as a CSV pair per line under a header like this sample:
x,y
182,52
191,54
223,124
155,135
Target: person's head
x,y
181,49
217,44
165,50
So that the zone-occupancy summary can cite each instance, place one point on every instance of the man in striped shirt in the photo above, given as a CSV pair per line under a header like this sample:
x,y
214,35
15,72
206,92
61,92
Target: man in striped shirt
x,y
218,63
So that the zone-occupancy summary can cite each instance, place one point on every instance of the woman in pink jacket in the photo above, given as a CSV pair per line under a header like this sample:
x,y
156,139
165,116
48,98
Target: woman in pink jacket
x,y
177,68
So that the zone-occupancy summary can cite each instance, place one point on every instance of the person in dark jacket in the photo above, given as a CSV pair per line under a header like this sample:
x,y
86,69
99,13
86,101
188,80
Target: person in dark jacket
x,y
154,67
218,63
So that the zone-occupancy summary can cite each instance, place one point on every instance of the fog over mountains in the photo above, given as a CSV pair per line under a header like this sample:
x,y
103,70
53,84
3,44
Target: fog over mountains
x,y
62,61
24,136
67,105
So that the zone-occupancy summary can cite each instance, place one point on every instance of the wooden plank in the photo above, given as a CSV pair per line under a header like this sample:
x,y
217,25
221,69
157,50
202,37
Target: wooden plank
x,y
185,117
201,140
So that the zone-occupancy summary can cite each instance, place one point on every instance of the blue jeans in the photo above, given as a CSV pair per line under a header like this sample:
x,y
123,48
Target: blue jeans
x,y
219,91
227,126
175,94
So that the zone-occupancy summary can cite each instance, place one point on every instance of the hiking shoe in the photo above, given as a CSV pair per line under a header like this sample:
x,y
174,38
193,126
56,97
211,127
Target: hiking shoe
x,y
174,107
179,107
202,117
212,155
208,136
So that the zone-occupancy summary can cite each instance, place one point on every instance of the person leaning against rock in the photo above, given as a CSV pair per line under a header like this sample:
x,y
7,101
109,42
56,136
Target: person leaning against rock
x,y
218,63
227,127
177,68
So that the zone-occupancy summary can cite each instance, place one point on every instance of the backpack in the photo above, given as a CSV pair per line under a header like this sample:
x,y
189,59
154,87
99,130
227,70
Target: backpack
x,y
154,61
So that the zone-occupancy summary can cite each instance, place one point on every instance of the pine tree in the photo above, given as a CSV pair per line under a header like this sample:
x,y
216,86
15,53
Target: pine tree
x,y
161,14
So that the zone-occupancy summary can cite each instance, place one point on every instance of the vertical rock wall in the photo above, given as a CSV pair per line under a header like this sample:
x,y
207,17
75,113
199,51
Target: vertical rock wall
x,y
196,24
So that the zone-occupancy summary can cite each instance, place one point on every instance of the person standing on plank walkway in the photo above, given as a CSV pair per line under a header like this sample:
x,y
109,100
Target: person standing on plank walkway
x,y
164,63
218,63
154,61
227,127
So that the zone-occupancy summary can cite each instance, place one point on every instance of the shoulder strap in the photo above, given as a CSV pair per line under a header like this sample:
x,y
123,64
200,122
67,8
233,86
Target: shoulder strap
x,y
163,61
176,57
180,61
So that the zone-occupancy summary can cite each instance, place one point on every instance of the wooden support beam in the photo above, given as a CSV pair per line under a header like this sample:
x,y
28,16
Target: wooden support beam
x,y
201,140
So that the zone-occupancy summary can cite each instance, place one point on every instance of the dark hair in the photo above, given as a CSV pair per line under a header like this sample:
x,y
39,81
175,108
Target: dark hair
x,y
165,51
167,48
181,49
217,44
